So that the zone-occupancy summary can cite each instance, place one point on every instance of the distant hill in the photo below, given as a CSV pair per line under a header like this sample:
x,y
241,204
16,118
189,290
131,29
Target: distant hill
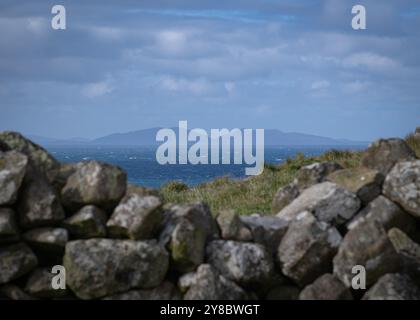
x,y
147,137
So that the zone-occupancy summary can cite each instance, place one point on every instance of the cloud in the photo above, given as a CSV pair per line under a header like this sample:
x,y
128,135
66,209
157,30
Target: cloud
x,y
98,89
319,85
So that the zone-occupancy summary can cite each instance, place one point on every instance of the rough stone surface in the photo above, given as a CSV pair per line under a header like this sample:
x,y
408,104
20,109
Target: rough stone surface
x,y
39,285
94,183
47,239
113,266
40,161
16,260
383,154
208,284
284,196
393,287
186,231
13,292
402,185
326,287
40,205
88,222
136,217
12,170
367,244
247,264
306,250
365,183
386,213
8,228
166,291
266,230
231,226
315,173
327,201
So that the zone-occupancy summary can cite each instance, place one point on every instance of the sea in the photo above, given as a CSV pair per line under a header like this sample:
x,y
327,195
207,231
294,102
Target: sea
x,y
142,168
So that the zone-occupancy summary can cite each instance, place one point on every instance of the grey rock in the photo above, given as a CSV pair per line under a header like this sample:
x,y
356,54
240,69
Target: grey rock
x,y
8,228
327,201
47,239
365,183
94,183
315,173
208,284
136,217
408,250
166,291
402,185
247,264
231,226
88,222
15,261
383,154
12,170
39,285
40,161
367,245
113,266
307,249
326,287
393,287
386,213
266,230
284,196
13,292
39,205
186,231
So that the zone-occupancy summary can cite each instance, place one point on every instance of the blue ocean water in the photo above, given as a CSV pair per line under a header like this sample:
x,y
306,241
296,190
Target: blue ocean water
x,y
142,168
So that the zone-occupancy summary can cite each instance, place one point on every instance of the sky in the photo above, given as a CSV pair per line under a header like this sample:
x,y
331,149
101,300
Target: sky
x,y
296,66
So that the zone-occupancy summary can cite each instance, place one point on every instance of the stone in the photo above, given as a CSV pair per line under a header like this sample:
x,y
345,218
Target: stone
x,y
141,191
387,213
112,266
186,230
365,183
327,201
315,173
408,250
165,291
47,239
266,230
12,171
88,222
393,287
8,228
326,287
95,183
39,205
208,284
39,285
231,226
40,161
247,264
367,245
284,196
383,154
16,260
402,185
136,217
307,249
13,292
284,292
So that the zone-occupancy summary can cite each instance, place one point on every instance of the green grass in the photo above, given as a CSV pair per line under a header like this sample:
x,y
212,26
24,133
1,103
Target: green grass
x,y
255,194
